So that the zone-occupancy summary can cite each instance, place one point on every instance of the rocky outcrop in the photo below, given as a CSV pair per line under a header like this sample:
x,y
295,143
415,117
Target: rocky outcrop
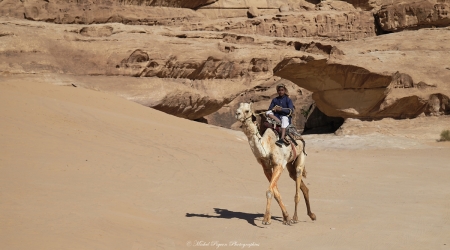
x,y
191,65
350,91
422,14
139,63
339,26
438,104
337,21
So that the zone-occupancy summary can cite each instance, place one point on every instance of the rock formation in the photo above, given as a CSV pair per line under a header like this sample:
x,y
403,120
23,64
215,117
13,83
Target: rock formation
x,y
199,59
429,13
336,25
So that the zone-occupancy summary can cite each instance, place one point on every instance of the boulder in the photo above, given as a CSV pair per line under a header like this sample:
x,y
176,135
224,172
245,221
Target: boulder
x,y
253,12
285,8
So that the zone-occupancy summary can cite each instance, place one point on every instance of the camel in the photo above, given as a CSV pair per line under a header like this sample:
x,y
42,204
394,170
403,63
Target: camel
x,y
274,160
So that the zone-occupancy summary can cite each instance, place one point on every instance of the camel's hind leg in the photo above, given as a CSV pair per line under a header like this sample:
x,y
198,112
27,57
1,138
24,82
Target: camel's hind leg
x,y
296,174
305,192
273,190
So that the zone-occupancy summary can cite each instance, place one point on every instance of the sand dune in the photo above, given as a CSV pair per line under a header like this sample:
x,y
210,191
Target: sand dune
x,y
80,169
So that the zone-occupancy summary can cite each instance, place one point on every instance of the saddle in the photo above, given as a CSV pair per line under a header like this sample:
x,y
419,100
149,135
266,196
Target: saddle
x,y
292,133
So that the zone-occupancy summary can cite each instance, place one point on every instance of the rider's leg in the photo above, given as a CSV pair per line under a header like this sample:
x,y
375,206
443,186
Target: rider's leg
x,y
272,116
284,125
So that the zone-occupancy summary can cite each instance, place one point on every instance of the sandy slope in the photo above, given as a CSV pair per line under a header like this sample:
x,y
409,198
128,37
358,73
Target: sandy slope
x,y
81,169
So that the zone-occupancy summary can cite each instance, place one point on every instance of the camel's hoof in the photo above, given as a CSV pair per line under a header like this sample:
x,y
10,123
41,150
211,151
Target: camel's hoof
x,y
266,222
294,219
287,220
312,216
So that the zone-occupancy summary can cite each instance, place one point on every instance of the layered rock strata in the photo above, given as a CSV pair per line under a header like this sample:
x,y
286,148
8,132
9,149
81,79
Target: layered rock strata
x,y
70,13
339,26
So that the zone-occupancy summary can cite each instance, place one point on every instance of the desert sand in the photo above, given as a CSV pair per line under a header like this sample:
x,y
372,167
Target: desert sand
x,y
81,169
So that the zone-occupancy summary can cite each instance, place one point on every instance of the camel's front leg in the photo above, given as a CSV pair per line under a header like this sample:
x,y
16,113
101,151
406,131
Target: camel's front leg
x,y
273,191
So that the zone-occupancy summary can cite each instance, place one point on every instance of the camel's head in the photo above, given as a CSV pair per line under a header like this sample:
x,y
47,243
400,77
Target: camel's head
x,y
244,112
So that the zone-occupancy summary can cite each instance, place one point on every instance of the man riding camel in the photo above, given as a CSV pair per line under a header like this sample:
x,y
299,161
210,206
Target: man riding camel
x,y
280,110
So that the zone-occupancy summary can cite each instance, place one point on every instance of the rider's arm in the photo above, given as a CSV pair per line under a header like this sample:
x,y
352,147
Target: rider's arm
x,y
272,104
290,108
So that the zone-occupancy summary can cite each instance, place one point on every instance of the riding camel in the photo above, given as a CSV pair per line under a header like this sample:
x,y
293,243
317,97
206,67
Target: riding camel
x,y
274,159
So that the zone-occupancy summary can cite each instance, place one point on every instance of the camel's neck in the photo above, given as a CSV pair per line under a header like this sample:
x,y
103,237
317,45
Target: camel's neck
x,y
254,139
250,130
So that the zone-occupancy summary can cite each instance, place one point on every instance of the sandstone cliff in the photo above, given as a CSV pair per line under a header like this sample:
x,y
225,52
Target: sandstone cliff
x,y
199,60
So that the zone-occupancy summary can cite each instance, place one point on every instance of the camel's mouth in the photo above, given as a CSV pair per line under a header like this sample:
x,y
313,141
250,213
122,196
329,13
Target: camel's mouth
x,y
242,119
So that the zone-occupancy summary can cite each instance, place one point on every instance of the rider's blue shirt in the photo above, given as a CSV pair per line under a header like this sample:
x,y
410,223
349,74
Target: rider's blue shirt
x,y
286,103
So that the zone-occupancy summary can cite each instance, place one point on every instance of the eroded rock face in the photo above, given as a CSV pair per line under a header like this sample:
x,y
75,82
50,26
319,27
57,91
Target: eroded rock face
x,y
196,64
139,64
354,92
266,4
430,13
340,26
91,12
191,4
11,8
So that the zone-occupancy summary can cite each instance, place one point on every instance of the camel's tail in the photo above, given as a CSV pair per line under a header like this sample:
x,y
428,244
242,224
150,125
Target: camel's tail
x,y
304,172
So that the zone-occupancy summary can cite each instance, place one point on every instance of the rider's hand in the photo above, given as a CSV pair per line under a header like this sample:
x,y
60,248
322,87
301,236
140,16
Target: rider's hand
x,y
277,109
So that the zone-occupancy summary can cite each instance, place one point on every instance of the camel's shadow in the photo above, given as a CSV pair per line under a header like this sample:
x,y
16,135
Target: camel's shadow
x,y
227,214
